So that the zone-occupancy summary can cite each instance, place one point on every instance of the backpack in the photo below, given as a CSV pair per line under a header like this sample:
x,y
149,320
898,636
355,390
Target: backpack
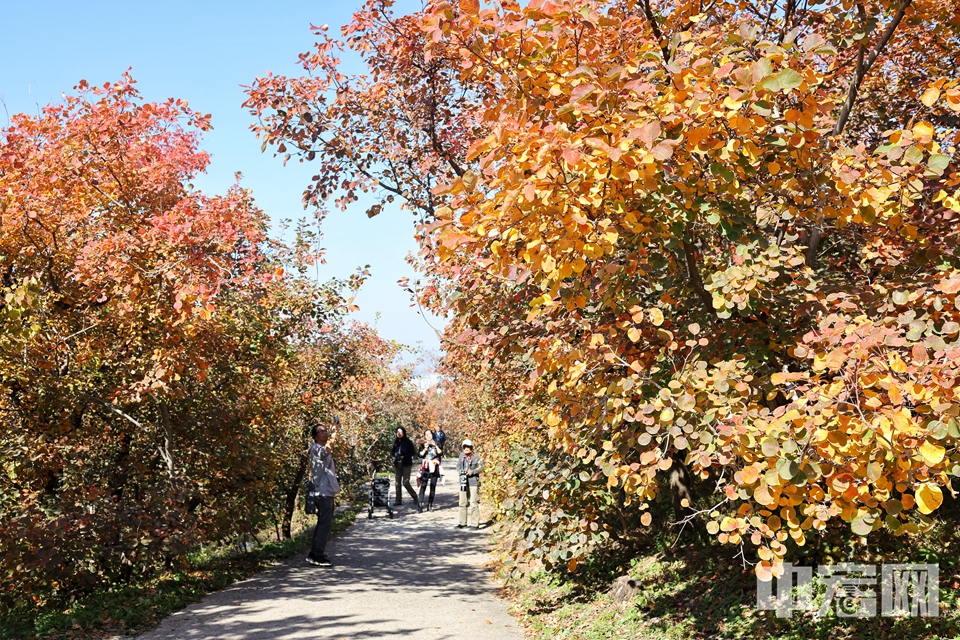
x,y
439,437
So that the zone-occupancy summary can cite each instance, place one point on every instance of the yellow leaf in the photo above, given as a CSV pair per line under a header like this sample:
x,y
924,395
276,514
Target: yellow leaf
x,y
929,498
763,496
633,333
932,453
901,420
656,316
923,131
471,7
645,519
469,181
930,96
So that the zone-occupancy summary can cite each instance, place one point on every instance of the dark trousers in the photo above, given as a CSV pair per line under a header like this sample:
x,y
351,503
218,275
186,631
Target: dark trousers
x,y
324,522
424,480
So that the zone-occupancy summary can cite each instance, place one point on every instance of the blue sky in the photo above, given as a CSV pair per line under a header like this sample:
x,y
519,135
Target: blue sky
x,y
203,52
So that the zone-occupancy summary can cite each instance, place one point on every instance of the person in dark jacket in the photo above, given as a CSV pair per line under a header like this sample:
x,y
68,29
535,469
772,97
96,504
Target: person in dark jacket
x,y
403,452
469,467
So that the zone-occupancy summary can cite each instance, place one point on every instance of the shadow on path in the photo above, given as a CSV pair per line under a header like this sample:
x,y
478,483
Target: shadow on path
x,y
414,576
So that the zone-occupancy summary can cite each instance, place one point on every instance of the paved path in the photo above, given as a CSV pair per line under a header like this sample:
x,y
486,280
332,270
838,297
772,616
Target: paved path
x,y
415,577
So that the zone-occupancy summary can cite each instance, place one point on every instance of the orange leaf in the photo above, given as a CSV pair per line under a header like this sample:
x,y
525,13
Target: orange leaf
x,y
750,475
930,96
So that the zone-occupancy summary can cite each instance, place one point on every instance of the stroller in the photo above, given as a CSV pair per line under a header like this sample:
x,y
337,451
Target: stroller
x,y
379,493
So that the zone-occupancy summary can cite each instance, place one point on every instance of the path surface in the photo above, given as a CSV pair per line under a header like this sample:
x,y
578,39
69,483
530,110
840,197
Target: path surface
x,y
414,577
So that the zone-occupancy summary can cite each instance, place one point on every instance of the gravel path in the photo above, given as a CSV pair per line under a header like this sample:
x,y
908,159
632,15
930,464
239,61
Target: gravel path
x,y
415,577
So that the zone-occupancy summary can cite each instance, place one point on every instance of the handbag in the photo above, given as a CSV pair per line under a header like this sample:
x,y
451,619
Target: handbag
x,y
310,498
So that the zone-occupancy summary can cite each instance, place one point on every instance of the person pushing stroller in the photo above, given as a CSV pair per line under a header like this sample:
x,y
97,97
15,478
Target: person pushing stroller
x,y
403,452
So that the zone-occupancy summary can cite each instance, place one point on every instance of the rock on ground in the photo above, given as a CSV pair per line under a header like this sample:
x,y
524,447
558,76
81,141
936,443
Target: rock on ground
x,y
413,577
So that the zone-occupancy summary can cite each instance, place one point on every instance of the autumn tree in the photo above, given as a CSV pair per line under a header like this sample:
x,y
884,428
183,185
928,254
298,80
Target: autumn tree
x,y
146,333
718,239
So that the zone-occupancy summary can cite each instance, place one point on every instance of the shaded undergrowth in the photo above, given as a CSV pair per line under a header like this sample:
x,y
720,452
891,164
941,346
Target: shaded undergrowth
x,y
700,590
139,606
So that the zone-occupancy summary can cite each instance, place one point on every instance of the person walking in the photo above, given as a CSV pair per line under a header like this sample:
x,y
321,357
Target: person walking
x,y
440,438
469,467
429,469
403,452
323,476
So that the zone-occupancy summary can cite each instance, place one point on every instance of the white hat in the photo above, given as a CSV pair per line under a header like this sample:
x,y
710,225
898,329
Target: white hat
x,y
467,443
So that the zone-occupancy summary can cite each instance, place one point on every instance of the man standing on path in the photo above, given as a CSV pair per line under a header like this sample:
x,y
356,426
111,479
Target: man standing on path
x,y
323,474
403,452
469,466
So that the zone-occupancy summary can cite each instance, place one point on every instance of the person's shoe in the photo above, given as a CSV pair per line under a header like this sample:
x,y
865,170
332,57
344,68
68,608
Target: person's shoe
x,y
430,507
313,561
419,508
397,503
461,526
324,561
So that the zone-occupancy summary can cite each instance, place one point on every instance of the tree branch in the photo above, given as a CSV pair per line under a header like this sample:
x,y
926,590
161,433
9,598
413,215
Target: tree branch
x,y
652,19
864,64
863,67
787,17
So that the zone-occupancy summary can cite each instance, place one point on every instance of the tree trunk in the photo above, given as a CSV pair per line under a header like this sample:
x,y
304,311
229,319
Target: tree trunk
x,y
166,450
813,245
681,486
291,497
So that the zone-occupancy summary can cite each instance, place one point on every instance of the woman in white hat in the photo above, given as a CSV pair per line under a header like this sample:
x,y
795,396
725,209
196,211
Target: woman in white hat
x,y
469,466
